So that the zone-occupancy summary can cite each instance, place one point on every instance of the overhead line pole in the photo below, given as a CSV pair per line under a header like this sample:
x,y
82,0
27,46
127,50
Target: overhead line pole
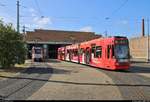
x,y
18,26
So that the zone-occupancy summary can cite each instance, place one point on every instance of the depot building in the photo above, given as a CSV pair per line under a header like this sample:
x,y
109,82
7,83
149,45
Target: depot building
x,y
51,40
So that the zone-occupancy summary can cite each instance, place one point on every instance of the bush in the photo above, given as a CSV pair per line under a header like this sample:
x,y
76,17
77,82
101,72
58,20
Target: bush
x,y
12,46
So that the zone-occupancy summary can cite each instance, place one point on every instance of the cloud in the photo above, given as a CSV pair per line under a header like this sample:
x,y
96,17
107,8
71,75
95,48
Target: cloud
x,y
7,20
33,12
40,22
124,22
86,29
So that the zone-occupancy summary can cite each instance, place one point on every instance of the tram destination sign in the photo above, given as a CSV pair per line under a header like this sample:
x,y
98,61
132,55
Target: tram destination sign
x,y
121,42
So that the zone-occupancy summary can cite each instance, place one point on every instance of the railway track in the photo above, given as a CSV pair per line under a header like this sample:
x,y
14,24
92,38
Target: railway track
x,y
131,86
137,88
25,84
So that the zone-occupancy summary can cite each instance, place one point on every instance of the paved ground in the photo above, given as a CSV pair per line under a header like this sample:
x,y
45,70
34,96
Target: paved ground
x,y
72,81
25,84
69,81
141,69
13,71
77,82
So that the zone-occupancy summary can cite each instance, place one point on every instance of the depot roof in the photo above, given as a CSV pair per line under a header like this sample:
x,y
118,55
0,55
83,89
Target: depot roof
x,y
41,35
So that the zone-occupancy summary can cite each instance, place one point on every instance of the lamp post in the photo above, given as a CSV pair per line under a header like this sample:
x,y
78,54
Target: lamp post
x,y
148,51
106,32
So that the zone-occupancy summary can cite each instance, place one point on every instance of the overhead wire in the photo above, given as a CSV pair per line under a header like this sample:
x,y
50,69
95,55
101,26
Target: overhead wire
x,y
37,4
116,10
70,18
6,10
121,6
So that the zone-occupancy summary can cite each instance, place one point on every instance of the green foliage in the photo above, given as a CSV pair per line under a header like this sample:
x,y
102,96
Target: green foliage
x,y
12,46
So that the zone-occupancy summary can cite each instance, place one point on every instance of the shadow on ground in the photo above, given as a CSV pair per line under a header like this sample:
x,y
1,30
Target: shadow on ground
x,y
53,61
139,69
133,69
12,69
36,70
41,70
61,71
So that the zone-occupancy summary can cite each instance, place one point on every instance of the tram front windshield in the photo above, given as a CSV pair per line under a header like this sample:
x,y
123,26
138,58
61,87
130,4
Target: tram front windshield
x,y
122,51
37,51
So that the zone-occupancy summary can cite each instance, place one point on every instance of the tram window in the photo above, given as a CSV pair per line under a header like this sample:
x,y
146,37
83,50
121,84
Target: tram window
x,y
75,52
98,52
108,51
113,54
67,51
81,51
37,51
63,53
93,48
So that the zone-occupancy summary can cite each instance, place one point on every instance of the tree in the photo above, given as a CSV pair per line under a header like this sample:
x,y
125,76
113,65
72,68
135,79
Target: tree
x,y
12,46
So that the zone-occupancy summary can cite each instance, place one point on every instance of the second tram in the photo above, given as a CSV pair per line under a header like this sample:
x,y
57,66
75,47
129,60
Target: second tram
x,y
37,54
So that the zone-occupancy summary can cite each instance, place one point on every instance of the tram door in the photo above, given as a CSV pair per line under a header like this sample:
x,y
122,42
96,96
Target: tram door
x,y
108,57
87,56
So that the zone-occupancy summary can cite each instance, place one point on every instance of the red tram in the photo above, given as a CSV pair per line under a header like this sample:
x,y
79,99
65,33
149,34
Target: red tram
x,y
108,53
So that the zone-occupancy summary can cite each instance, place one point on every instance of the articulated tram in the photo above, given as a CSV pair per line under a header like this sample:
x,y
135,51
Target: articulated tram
x,y
109,53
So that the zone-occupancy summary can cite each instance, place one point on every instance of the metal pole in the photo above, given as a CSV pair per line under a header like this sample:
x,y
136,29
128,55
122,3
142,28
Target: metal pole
x,y
148,39
143,27
24,30
106,33
18,16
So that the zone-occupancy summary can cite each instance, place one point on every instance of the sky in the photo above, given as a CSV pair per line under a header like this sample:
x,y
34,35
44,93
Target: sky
x,y
114,17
